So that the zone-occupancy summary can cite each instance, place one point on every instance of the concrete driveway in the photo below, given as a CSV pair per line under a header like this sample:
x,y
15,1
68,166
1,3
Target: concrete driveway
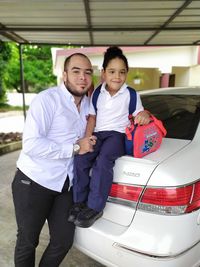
x,y
12,121
8,225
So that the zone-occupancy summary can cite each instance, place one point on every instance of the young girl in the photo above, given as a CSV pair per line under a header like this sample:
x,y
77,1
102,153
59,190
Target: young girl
x,y
108,124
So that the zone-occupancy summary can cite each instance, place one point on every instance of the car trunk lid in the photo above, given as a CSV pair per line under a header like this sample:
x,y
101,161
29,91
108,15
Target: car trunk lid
x,y
136,171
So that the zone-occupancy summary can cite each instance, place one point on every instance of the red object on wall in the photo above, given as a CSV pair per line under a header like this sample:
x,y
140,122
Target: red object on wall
x,y
164,80
198,56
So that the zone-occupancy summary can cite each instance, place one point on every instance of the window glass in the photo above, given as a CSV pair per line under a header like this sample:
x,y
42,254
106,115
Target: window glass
x,y
180,114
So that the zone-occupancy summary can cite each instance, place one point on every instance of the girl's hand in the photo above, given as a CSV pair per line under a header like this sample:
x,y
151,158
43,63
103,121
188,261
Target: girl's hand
x,y
142,118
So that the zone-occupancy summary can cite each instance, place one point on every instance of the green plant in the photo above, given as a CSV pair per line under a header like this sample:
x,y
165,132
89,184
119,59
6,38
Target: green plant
x,y
95,80
5,107
138,75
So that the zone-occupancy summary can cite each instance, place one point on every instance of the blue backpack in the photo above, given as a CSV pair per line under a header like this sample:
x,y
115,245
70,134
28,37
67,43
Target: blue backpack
x,y
132,104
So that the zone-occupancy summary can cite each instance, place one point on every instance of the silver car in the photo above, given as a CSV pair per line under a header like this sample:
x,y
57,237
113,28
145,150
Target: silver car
x,y
152,215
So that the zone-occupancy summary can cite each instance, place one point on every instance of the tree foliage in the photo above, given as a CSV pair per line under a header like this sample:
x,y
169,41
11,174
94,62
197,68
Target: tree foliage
x,y
37,64
5,54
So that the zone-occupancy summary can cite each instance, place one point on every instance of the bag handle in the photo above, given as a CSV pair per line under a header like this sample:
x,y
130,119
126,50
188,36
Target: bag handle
x,y
158,123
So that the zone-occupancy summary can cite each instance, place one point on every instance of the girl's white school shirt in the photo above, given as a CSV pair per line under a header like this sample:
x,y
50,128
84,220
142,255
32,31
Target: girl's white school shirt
x,y
112,111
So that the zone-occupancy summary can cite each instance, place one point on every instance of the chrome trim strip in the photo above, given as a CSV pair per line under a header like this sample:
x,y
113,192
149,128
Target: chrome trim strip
x,y
121,201
120,246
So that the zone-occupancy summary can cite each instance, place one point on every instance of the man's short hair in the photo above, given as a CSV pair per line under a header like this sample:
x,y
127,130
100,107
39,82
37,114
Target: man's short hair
x,y
67,60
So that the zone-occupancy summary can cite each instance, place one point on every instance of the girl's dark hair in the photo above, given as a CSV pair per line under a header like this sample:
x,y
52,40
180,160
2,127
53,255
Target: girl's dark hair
x,y
114,52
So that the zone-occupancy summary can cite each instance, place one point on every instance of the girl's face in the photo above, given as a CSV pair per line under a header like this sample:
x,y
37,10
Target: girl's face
x,y
114,75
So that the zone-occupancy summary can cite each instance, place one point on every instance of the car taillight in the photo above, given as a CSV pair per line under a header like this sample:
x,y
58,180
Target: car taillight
x,y
125,194
166,201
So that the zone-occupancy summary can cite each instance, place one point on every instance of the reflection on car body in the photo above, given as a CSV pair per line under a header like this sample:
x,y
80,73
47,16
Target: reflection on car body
x,y
152,216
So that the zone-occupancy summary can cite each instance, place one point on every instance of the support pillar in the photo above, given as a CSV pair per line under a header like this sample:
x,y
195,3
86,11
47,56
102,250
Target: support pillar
x,y
164,80
22,79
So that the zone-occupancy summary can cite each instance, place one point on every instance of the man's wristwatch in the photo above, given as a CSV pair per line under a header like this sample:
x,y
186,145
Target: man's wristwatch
x,y
76,149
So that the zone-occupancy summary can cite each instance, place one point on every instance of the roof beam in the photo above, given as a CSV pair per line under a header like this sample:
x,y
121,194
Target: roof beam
x,y
89,23
99,29
11,35
176,13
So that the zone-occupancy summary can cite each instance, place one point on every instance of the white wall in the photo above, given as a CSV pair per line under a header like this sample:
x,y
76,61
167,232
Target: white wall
x,y
181,76
194,79
16,99
164,58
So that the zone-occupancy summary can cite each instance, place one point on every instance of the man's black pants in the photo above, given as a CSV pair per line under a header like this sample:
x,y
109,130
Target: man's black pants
x,y
34,205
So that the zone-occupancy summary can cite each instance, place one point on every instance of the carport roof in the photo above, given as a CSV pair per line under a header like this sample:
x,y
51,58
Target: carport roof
x,y
101,22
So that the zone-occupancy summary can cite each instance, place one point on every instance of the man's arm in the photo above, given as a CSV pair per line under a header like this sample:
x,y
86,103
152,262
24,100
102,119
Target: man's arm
x,y
90,125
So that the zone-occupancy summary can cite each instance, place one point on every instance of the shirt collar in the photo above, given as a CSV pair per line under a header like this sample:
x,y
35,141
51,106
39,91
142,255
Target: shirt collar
x,y
121,90
68,95
65,92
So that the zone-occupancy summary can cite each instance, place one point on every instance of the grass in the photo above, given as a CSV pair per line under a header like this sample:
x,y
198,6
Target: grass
x,y
5,108
6,148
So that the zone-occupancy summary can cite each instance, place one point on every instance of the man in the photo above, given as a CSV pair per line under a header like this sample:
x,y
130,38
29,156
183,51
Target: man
x,y
53,134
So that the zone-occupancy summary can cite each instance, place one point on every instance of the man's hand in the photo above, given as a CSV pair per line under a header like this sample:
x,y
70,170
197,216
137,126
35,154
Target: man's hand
x,y
86,144
142,118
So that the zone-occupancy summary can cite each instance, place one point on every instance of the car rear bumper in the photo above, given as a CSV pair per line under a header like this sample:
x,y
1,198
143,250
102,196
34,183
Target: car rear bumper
x,y
112,255
139,244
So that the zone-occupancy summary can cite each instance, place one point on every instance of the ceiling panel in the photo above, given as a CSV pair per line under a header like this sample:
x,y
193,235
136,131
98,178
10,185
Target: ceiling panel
x,y
57,37
117,38
180,37
101,22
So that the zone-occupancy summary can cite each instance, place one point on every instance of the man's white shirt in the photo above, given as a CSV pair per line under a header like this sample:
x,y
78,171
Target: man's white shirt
x,y
53,124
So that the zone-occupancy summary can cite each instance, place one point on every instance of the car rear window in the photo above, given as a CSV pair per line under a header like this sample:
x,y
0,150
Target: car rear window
x,y
180,114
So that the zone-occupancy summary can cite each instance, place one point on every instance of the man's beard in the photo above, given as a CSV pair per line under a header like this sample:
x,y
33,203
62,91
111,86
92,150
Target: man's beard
x,y
73,92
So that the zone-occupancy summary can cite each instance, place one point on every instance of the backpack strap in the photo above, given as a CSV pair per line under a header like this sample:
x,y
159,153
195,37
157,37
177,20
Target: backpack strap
x,y
133,100
95,97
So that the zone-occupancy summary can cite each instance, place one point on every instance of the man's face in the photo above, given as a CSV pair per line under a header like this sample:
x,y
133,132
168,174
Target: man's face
x,y
78,75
